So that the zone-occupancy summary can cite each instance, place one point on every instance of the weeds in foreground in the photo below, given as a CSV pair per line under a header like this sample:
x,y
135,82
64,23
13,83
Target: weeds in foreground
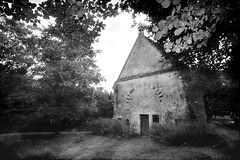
x,y
109,126
187,133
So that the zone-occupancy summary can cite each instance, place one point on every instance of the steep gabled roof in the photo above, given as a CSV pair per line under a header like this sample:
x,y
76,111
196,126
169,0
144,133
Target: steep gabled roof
x,y
144,60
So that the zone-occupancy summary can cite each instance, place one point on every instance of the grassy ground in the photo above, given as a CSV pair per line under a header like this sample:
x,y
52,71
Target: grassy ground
x,y
69,146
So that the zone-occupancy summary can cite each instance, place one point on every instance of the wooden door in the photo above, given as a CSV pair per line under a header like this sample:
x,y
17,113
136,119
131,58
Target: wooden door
x,y
144,124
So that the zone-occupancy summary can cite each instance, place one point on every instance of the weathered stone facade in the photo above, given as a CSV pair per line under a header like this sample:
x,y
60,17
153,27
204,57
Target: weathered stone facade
x,y
148,90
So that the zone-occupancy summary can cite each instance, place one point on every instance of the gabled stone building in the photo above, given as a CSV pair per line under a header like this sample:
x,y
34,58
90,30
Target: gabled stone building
x,y
148,90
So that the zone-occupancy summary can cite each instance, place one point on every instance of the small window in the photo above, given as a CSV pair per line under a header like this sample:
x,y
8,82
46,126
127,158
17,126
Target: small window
x,y
119,119
127,122
155,118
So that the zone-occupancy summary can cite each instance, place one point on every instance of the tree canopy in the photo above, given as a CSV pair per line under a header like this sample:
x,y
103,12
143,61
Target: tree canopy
x,y
194,32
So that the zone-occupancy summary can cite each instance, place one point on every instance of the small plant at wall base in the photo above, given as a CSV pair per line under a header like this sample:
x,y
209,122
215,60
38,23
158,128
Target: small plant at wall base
x,y
168,117
186,133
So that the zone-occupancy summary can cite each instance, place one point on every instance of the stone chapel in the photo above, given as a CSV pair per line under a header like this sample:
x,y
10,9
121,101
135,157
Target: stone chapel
x,y
148,90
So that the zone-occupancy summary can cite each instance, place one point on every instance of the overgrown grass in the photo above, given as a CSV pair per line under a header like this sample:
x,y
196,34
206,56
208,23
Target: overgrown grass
x,y
109,126
187,133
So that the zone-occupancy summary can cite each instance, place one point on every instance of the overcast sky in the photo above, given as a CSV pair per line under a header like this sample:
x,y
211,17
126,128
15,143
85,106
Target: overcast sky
x,y
115,42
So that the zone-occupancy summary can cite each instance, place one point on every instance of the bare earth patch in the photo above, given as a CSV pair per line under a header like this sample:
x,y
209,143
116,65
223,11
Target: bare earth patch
x,y
76,146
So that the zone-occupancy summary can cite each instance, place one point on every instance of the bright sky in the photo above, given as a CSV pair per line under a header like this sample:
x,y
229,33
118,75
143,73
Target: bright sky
x,y
115,42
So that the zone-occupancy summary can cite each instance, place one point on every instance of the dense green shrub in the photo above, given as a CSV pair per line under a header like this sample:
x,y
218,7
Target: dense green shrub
x,y
109,126
188,133
64,118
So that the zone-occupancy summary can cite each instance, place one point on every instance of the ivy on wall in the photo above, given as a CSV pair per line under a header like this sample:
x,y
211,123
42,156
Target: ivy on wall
x,y
196,84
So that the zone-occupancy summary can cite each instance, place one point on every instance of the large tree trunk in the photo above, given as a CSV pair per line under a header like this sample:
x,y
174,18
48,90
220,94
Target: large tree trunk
x,y
196,102
200,107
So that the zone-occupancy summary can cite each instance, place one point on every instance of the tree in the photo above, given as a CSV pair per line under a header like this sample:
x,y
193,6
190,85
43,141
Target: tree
x,y
103,101
223,103
66,81
192,29
14,63
62,72
19,10
68,58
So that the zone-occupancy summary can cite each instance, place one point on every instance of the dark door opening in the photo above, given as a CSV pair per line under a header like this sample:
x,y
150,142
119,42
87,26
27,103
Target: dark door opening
x,y
144,124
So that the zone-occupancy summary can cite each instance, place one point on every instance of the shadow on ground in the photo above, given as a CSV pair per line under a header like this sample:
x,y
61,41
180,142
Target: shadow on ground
x,y
68,146
38,136
9,153
45,157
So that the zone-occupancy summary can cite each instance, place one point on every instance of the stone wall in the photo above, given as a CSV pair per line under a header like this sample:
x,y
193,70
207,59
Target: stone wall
x,y
160,94
144,58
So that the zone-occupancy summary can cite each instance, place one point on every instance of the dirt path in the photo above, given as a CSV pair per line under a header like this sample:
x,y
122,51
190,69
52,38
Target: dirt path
x,y
87,146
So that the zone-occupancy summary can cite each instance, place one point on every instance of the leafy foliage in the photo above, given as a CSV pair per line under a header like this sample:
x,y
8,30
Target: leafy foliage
x,y
71,17
222,102
19,10
103,101
198,83
15,61
191,32
56,70
192,23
